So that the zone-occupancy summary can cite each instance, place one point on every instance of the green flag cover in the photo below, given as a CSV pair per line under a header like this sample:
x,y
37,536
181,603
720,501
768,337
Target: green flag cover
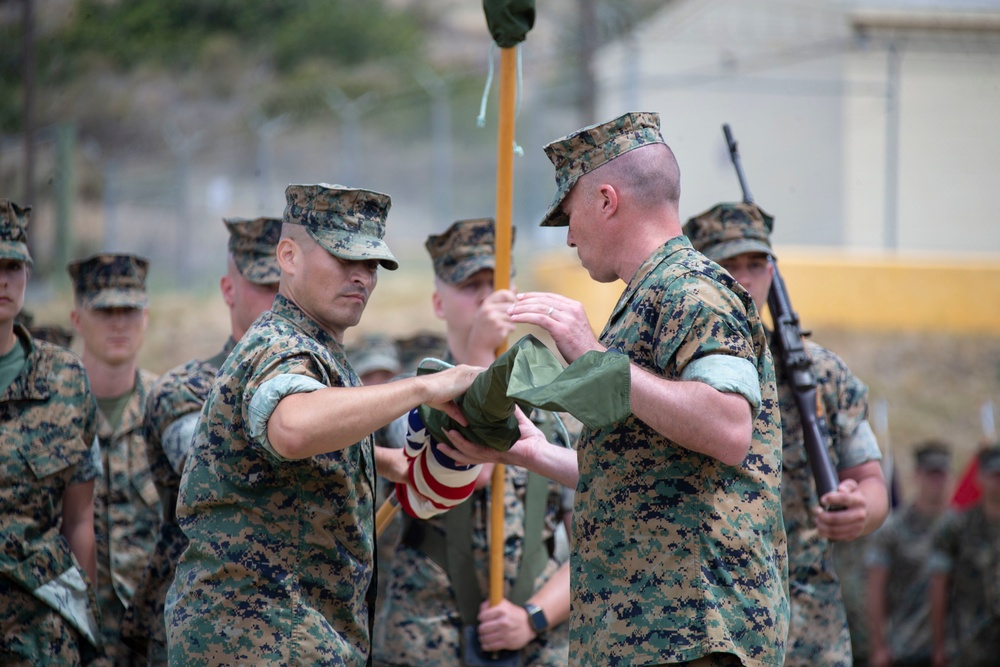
x,y
594,389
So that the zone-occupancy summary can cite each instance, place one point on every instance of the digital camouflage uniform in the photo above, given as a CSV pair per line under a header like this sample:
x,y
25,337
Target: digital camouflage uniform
x,y
126,506
420,621
675,555
818,635
171,416
966,547
903,546
280,559
280,564
48,422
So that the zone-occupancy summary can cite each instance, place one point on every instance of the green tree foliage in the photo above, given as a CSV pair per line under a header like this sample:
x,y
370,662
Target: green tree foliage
x,y
174,36
171,32
11,68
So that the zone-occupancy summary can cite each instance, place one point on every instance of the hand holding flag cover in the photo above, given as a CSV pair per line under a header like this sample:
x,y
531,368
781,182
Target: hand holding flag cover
x,y
594,389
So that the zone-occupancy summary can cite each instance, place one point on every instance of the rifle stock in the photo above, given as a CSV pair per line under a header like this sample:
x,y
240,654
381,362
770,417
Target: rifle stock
x,y
789,351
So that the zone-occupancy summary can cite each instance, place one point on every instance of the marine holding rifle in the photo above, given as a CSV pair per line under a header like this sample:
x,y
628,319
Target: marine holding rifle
x,y
737,236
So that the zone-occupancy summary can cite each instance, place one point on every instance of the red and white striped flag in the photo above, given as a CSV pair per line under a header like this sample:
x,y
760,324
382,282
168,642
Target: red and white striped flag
x,y
436,482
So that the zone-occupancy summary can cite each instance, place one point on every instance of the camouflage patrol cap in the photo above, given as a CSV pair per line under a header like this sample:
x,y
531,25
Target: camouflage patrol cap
x,y
348,222
989,459
933,456
730,229
585,150
110,280
419,346
374,352
252,244
13,231
467,247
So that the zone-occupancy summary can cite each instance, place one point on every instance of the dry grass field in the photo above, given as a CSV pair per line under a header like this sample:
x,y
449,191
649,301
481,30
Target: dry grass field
x,y
931,385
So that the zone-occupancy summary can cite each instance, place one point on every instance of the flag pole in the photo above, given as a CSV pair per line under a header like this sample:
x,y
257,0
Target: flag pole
x,y
501,281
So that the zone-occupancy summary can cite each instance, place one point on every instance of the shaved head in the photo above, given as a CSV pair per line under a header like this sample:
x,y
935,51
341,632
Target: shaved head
x,y
297,233
648,176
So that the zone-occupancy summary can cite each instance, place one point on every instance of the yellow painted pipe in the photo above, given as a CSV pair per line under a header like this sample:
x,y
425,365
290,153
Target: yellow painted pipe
x,y
842,288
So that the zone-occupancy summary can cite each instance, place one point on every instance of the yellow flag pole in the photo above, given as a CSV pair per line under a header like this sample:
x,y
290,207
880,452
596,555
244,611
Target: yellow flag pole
x,y
501,280
386,512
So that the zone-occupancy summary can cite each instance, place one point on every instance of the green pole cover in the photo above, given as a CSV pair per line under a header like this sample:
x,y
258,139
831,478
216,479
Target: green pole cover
x,y
509,20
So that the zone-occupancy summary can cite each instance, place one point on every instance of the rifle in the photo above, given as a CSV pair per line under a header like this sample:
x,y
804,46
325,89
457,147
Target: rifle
x,y
790,352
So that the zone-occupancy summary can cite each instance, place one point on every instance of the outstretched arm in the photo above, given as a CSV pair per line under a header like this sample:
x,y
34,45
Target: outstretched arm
x,y
330,419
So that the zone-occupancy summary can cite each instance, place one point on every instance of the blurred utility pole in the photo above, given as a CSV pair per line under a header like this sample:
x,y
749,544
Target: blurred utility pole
x,y
585,61
28,120
350,113
892,103
65,186
441,151
184,146
266,130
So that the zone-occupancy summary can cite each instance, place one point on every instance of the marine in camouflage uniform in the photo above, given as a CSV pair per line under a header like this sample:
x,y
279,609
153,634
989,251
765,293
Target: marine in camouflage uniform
x,y
898,559
737,237
421,620
48,458
276,497
965,575
110,307
678,553
171,415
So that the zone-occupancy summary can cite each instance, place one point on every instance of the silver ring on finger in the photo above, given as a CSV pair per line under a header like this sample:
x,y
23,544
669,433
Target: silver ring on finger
x,y
548,313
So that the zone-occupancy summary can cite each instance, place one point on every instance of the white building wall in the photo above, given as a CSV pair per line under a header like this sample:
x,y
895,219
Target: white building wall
x,y
807,101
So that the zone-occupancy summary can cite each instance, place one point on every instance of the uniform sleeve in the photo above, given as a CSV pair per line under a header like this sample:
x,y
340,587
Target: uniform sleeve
x,y
845,400
946,536
266,399
90,467
176,394
707,334
177,439
731,375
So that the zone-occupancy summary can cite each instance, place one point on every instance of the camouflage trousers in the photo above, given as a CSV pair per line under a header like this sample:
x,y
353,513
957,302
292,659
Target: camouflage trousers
x,y
710,660
818,634
32,633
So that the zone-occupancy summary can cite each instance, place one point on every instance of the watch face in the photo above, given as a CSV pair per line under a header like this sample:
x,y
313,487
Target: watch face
x,y
537,618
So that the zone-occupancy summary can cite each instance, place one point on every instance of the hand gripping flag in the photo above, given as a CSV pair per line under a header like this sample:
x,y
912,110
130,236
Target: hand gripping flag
x,y
594,389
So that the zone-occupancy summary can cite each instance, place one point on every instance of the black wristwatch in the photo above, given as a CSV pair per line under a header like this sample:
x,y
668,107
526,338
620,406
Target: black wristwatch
x,y
536,617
